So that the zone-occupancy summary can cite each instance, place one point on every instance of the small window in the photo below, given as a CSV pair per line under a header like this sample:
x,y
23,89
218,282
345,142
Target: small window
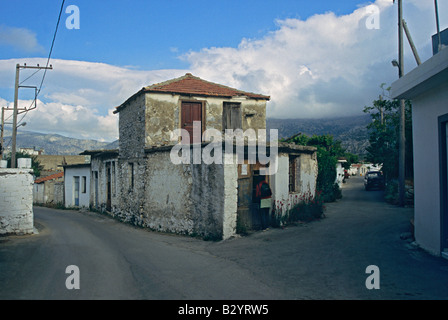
x,y
231,116
84,184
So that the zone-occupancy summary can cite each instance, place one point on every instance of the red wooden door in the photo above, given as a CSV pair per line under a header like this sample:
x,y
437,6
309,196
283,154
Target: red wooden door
x,y
192,111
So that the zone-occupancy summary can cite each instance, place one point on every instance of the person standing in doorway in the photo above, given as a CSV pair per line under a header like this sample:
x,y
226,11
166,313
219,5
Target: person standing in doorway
x,y
264,194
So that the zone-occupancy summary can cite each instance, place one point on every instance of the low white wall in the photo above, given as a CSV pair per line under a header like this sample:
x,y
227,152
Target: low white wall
x,y
16,201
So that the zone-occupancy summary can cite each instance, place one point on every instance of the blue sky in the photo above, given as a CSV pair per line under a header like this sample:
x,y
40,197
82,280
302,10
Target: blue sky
x,y
314,58
153,34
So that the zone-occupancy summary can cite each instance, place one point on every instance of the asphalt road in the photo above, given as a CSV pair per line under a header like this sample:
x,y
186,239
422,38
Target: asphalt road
x,y
325,259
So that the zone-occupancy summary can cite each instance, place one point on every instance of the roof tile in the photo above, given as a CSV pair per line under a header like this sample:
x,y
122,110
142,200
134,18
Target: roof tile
x,y
50,177
189,84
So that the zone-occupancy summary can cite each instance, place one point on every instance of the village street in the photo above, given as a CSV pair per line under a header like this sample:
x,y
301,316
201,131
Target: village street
x,y
326,259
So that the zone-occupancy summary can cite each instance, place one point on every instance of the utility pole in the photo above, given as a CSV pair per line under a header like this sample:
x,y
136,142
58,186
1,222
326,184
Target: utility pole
x,y
402,137
15,111
14,118
1,135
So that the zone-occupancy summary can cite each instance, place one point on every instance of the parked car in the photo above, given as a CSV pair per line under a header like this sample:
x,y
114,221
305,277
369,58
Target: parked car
x,y
374,180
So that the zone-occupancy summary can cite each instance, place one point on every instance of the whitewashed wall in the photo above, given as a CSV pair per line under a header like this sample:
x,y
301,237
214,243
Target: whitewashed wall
x,y
69,185
16,201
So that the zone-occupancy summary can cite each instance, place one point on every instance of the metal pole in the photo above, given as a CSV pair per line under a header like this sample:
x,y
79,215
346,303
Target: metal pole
x,y
402,137
1,136
438,27
411,43
14,120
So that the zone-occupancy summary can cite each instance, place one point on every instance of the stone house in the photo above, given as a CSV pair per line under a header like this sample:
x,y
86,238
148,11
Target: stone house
x,y
103,183
152,186
49,189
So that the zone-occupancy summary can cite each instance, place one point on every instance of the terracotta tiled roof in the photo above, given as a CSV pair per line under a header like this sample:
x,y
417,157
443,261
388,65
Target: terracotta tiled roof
x,y
50,177
191,85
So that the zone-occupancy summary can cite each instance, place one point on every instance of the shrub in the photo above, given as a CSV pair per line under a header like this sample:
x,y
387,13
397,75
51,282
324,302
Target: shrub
x,y
306,209
391,192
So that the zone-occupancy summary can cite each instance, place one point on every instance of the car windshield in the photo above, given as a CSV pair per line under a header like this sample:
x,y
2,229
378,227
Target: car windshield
x,y
373,174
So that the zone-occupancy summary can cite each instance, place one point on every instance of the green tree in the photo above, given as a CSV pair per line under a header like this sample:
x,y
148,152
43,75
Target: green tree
x,y
35,164
384,135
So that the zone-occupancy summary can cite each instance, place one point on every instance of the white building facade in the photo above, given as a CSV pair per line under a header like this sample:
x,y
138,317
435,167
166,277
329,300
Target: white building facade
x,y
77,185
427,87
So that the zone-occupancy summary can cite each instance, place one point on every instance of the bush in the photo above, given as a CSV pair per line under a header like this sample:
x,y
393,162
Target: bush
x,y
308,208
391,192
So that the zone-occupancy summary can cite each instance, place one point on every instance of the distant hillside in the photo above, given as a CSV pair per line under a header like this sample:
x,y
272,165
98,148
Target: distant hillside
x,y
54,144
351,131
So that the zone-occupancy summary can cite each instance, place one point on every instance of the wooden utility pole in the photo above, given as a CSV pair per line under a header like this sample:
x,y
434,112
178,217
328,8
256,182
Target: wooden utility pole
x,y
1,135
15,111
411,43
14,118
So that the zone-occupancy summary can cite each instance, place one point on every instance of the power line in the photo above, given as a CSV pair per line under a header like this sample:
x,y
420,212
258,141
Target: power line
x,y
51,49
18,67
30,76
48,62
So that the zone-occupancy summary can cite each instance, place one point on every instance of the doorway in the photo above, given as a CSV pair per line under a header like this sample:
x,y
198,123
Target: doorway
x,y
443,165
76,191
109,187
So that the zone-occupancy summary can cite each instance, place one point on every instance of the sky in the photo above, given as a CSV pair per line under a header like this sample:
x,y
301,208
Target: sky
x,y
314,58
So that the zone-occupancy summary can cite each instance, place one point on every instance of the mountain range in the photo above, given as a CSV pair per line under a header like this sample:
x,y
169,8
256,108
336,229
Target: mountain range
x,y
351,131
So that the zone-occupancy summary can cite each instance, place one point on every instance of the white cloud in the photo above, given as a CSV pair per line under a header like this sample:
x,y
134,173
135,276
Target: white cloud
x,y
20,39
327,65
78,97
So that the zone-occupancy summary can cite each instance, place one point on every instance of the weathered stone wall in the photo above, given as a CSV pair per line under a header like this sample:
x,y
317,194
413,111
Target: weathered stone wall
x,y
16,201
230,197
98,185
48,192
163,112
254,114
132,128
58,193
307,173
162,117
193,199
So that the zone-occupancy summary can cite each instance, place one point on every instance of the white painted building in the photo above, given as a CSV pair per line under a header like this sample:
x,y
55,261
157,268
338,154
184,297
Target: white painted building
x,y
427,87
340,171
77,185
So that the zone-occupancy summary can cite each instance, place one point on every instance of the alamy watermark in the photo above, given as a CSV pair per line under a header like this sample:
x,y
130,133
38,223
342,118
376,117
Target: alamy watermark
x,y
373,280
222,147
373,18
73,280
73,21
